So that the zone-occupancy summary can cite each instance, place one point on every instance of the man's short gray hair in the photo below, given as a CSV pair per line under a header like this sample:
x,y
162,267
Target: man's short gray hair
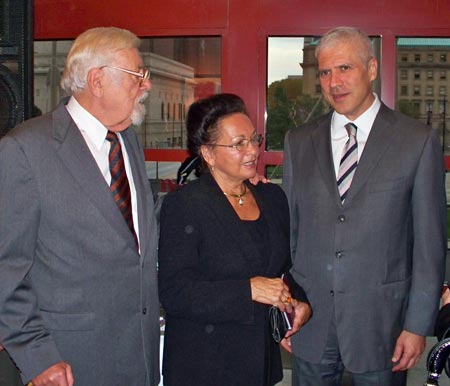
x,y
351,35
95,47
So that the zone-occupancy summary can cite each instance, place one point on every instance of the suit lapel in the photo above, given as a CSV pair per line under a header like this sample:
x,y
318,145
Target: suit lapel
x,y
274,228
229,221
139,178
81,165
380,138
321,139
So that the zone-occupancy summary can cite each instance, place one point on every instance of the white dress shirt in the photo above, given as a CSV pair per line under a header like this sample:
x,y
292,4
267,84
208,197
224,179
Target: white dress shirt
x,y
339,135
94,133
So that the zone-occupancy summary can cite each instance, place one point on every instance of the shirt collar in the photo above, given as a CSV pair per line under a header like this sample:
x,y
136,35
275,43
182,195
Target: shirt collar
x,y
364,122
90,126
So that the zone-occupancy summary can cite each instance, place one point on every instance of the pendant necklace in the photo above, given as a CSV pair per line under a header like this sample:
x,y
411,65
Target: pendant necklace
x,y
238,196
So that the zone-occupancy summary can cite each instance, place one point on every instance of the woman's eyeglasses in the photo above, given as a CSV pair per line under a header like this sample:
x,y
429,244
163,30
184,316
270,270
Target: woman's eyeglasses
x,y
242,144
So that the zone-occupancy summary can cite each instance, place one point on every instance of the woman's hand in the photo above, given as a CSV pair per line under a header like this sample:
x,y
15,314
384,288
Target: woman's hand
x,y
302,314
271,291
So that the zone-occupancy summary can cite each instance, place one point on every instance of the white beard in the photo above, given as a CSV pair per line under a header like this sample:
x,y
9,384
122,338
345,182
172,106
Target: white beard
x,y
138,113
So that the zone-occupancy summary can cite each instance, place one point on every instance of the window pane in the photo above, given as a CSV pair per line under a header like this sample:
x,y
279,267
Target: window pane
x,y
274,173
428,80
293,89
182,69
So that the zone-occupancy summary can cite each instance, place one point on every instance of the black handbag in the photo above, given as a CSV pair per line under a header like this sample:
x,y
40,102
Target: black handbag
x,y
280,323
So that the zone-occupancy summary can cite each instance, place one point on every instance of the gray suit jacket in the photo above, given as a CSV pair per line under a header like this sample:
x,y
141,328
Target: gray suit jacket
x,y
376,263
72,285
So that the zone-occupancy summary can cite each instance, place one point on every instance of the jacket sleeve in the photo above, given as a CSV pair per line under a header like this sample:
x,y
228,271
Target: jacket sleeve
x,y
428,203
21,326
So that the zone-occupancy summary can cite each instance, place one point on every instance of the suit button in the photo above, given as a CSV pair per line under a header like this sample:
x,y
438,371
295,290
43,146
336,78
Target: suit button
x,y
339,254
341,218
144,311
331,292
209,328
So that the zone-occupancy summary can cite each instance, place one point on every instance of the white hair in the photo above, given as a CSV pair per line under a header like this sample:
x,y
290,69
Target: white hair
x,y
95,47
348,34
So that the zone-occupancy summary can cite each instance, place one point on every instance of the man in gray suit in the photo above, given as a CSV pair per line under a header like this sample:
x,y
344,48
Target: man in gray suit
x,y
370,257
78,290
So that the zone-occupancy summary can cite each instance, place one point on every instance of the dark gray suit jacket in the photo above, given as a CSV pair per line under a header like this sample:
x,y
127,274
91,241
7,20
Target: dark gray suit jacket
x,y
376,263
72,285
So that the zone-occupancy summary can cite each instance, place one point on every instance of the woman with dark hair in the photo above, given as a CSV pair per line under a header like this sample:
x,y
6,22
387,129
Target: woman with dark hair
x,y
224,245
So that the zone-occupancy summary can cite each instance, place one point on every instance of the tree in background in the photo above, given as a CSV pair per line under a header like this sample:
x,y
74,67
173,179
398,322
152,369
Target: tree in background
x,y
288,107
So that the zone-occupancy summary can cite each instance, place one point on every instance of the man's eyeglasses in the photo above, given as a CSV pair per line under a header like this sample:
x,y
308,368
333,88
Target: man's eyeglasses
x,y
256,141
143,75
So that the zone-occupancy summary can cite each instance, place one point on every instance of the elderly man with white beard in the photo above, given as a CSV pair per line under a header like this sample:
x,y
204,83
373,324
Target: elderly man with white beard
x,y
78,249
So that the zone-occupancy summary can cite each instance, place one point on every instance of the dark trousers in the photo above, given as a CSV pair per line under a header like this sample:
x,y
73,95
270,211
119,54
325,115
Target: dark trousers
x,y
9,375
329,371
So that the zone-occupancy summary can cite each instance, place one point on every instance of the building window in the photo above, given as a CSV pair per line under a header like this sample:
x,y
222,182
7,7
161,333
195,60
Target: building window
x,y
404,58
429,90
417,74
417,58
403,74
443,58
416,91
443,75
430,58
404,90
442,90
430,74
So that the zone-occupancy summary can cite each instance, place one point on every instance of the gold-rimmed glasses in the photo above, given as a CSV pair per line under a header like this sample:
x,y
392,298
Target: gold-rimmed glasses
x,y
143,75
243,143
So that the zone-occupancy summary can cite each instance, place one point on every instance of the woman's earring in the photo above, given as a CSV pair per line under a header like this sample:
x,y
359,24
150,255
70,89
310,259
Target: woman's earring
x,y
212,169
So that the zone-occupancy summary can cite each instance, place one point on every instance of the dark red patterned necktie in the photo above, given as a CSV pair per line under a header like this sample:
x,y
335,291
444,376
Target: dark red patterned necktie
x,y
120,187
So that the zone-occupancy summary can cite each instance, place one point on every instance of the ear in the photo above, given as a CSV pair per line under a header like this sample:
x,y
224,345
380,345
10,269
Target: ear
x,y
95,80
208,155
372,69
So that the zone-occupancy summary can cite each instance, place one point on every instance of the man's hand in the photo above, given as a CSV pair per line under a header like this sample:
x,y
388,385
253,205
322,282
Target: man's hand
x,y
59,374
286,344
408,349
302,314
258,178
446,296
1,348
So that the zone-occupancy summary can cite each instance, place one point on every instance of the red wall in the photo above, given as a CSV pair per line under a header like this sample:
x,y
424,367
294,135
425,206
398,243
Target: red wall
x,y
244,26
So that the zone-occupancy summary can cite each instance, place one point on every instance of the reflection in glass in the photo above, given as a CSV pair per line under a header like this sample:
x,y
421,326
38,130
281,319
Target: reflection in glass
x,y
182,70
293,89
422,83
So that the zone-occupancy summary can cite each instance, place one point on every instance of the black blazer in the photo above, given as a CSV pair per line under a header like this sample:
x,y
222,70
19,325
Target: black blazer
x,y
215,334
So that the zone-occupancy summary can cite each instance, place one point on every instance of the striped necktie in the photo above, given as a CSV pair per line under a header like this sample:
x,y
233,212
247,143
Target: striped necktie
x,y
349,161
120,187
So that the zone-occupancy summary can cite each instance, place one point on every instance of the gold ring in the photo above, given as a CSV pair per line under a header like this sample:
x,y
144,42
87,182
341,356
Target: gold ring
x,y
288,300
